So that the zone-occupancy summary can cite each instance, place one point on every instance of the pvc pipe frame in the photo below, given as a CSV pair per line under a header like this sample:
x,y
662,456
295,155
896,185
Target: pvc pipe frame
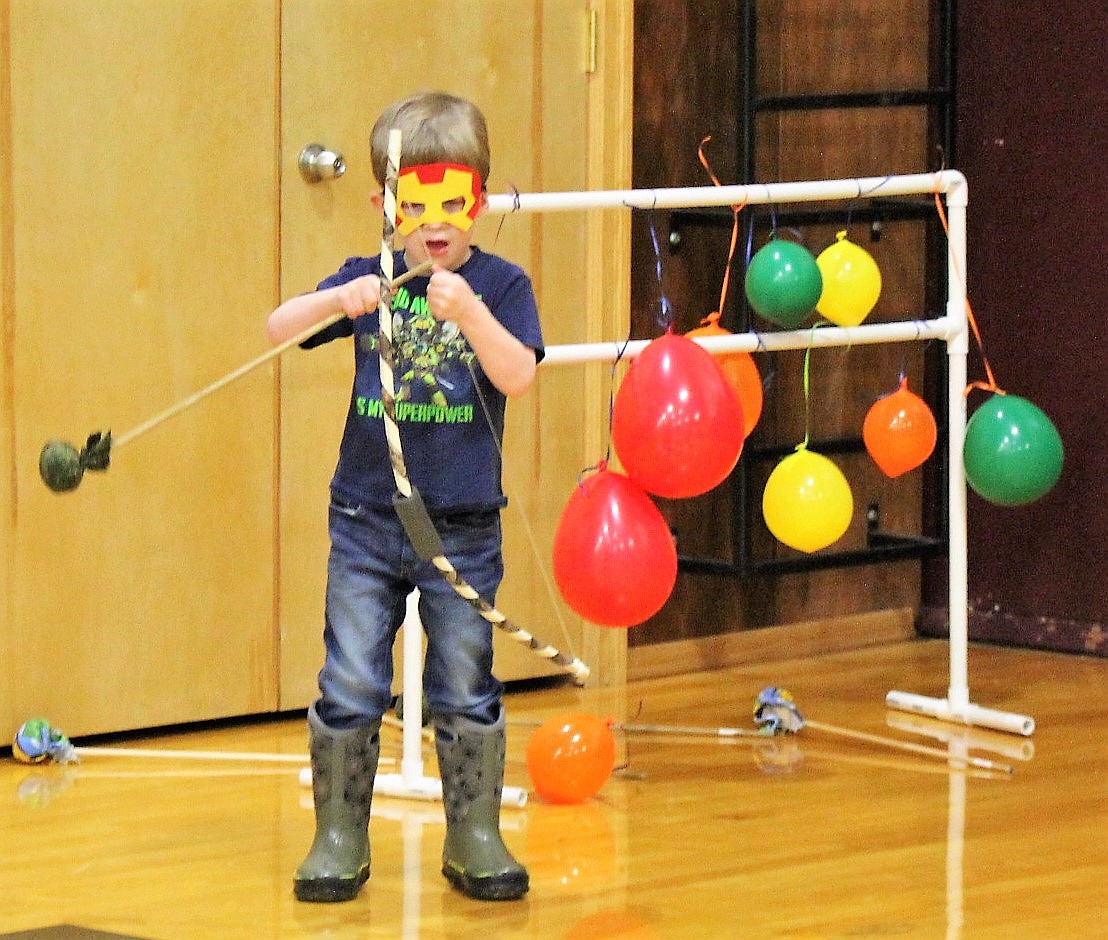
x,y
952,329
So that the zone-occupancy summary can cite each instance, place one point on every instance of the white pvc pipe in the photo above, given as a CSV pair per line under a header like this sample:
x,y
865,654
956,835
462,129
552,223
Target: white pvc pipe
x,y
821,337
430,789
411,760
752,194
170,754
957,354
966,714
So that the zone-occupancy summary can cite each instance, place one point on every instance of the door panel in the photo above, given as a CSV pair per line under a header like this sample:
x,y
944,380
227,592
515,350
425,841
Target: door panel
x,y
144,215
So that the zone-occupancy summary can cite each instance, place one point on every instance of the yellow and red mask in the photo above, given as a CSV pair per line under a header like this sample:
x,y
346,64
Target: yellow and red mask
x,y
437,192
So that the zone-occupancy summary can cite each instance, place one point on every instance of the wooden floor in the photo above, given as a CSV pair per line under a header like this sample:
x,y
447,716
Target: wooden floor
x,y
812,836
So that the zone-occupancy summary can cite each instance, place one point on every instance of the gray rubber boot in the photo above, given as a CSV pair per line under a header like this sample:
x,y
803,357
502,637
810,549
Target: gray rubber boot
x,y
474,857
344,765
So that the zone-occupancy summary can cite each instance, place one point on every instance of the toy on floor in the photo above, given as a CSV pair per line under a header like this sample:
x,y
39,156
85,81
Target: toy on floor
x,y
37,742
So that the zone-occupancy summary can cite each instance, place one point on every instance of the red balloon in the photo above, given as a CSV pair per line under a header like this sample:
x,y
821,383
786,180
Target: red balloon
x,y
570,757
677,424
899,431
615,560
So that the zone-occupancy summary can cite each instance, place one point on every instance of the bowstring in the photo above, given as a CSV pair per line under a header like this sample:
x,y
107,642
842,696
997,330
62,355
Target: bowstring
x,y
528,530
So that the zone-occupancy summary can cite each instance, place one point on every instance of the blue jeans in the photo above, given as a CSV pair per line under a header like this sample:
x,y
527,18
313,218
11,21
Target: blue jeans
x,y
371,570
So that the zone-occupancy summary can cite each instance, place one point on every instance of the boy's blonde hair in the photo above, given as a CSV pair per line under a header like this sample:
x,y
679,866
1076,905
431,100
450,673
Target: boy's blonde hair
x,y
437,128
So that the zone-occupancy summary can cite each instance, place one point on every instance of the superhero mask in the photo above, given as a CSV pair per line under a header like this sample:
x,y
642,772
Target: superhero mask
x,y
437,192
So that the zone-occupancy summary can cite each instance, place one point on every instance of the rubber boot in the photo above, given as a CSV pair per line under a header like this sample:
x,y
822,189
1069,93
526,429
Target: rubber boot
x,y
344,765
474,857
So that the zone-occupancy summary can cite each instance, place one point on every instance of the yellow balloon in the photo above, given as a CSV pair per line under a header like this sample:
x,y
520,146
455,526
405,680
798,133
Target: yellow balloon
x,y
851,282
807,503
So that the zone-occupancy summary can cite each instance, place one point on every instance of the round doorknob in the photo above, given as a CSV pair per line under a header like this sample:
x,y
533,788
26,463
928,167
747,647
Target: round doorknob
x,y
317,163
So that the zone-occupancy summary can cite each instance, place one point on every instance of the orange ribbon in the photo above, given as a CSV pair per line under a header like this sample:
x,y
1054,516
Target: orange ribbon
x,y
990,385
734,228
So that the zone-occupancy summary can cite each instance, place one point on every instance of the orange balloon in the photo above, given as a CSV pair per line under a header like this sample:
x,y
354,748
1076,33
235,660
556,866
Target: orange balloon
x,y
739,370
570,757
899,431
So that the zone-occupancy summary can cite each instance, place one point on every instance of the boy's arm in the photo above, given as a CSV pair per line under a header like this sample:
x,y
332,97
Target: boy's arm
x,y
509,364
298,314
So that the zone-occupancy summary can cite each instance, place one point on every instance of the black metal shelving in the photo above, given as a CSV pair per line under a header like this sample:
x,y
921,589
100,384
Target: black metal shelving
x,y
880,546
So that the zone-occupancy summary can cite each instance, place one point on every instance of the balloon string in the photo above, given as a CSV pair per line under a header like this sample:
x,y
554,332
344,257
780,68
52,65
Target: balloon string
x,y
525,521
808,386
989,385
735,210
513,191
807,393
862,194
665,317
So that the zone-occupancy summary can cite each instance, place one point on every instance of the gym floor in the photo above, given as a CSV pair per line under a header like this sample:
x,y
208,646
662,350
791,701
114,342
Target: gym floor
x,y
808,836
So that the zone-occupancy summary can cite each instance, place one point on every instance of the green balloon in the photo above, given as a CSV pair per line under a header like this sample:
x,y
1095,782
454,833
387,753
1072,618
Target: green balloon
x,y
1013,453
783,283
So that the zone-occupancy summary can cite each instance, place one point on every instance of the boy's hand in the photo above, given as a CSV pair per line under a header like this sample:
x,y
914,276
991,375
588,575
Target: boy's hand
x,y
449,296
359,296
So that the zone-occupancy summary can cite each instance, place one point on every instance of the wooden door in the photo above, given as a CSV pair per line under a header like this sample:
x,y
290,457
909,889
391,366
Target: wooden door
x,y
526,67
139,266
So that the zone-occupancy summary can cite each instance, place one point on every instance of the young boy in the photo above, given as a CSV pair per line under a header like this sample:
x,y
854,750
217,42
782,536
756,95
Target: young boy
x,y
464,339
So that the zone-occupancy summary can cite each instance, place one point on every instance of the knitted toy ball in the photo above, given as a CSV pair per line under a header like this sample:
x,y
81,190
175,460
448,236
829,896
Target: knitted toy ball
x,y
59,465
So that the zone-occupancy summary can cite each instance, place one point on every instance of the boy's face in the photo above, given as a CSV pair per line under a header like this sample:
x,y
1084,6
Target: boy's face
x,y
437,205
437,192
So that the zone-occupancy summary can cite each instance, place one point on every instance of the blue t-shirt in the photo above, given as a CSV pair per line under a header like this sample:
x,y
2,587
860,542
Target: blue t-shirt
x,y
451,417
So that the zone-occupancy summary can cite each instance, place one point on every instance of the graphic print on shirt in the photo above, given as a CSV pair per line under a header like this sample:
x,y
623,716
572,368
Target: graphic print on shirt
x,y
424,351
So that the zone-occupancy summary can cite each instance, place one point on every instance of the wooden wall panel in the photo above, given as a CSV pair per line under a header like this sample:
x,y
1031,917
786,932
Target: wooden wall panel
x,y
1033,130
806,47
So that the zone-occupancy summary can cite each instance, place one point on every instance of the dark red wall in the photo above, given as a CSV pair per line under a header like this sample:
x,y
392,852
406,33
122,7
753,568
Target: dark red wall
x,y
1032,139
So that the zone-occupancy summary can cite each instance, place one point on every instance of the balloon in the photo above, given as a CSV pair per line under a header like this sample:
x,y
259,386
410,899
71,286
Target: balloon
x,y
570,757
807,503
615,560
1013,453
739,370
851,282
899,431
677,425
783,282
